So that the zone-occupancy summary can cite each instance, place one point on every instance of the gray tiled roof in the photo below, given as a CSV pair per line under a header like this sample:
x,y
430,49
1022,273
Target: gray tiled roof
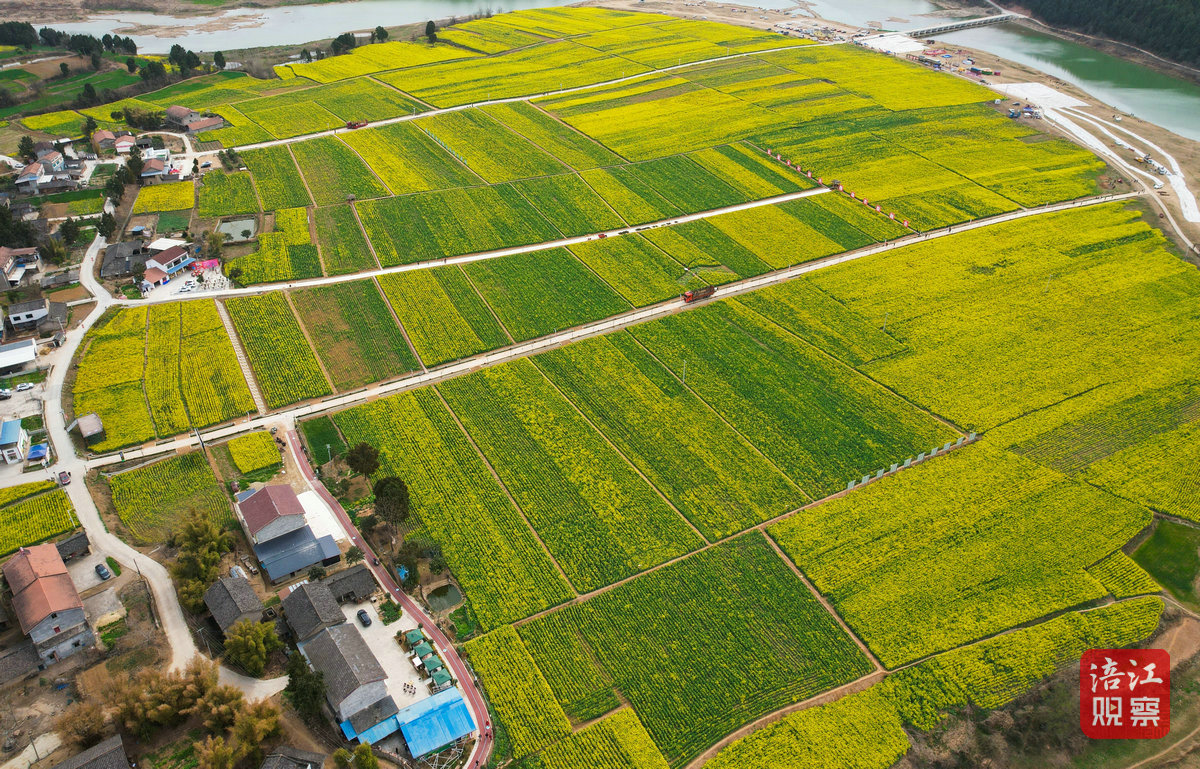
x,y
286,757
229,598
357,582
109,754
373,714
344,657
311,607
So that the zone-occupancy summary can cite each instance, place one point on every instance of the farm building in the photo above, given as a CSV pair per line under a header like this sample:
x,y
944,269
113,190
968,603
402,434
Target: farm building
x,y
354,679
15,355
356,583
14,441
231,600
16,264
109,754
286,757
311,608
47,604
274,521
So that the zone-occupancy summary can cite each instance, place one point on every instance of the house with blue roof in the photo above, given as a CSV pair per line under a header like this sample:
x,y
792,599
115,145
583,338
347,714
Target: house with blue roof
x,y
14,441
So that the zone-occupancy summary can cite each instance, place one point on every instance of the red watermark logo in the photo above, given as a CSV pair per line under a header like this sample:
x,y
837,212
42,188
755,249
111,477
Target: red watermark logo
x,y
1125,694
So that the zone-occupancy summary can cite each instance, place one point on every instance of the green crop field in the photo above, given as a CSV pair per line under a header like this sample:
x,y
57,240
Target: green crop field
x,y
276,177
750,171
629,195
153,500
542,292
35,520
164,392
432,225
490,549
343,247
709,472
952,519
254,451
569,204
354,332
408,159
172,196
283,363
109,378
738,601
819,421
443,314
600,520
224,194
686,184
700,243
284,254
635,268
561,141
334,172
617,742
487,147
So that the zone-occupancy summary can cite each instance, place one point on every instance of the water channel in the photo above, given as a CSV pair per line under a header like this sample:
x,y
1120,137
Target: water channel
x,y
1162,99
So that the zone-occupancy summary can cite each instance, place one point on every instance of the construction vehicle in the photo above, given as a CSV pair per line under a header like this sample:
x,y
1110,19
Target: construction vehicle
x,y
355,123
695,295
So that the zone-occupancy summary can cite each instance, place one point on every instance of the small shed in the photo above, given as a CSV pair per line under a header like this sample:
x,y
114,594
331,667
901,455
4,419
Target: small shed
x,y
91,428
423,650
414,637
433,663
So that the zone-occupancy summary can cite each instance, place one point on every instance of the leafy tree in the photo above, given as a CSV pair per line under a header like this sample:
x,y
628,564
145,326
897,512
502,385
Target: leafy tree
x,y
364,758
343,758
64,69
89,126
115,188
153,699
249,644
201,544
95,60
381,34
257,722
354,555
219,707
431,31
153,72
69,231
363,458
305,56
135,163
219,60
52,251
107,225
316,573
131,65
342,43
82,723
391,500
305,688
25,148
213,243
213,753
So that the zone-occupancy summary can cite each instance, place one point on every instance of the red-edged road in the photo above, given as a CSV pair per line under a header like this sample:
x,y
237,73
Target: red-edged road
x,y
483,748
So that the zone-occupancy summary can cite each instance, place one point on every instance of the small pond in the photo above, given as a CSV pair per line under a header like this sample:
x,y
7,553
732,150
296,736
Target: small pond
x,y
444,598
239,229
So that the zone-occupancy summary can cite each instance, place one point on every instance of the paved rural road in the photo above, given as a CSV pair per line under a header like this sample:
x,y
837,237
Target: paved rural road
x,y
466,680
160,296
532,347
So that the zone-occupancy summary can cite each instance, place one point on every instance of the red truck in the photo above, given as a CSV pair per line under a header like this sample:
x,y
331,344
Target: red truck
x,y
355,123
698,294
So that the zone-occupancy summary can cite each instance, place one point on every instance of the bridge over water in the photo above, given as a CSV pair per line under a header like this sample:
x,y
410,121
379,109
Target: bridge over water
x,y
952,26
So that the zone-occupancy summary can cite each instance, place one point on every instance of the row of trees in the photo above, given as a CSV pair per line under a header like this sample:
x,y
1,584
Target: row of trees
x,y
1169,28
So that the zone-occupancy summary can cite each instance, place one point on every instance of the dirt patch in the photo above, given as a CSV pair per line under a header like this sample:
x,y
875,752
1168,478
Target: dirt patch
x,y
1181,640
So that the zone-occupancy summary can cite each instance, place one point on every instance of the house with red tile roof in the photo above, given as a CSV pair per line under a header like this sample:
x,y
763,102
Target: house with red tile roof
x,y
46,603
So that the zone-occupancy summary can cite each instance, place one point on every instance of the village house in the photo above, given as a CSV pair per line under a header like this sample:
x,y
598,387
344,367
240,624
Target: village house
x,y
102,139
232,600
123,259
26,315
284,544
17,265
47,604
109,754
190,121
14,442
124,143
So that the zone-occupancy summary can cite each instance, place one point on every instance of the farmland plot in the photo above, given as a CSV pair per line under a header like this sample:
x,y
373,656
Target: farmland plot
x,y
750,171
629,195
487,545
223,194
334,172
164,391
618,742
569,204
354,333
540,292
241,129
776,237
570,666
35,520
517,692
488,148
686,184
560,140
109,378
171,196
276,177
820,422
600,520
951,518
432,225
408,159
1158,473
367,59
700,244
443,315
737,601
153,500
254,451
213,386
284,254
635,268
709,472
343,247
283,363
11,494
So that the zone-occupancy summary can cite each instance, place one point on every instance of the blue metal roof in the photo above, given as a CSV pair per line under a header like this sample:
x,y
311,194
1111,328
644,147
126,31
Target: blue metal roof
x,y
435,722
10,432
294,551
376,733
180,266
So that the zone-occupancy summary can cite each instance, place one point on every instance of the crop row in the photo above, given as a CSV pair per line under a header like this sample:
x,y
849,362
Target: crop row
x,y
212,381
334,172
277,178
488,148
343,247
368,59
283,363
354,332
164,392
599,519
618,742
560,140
223,194
408,160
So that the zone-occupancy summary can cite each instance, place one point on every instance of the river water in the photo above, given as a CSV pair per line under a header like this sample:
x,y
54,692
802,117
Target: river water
x,y
1167,101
